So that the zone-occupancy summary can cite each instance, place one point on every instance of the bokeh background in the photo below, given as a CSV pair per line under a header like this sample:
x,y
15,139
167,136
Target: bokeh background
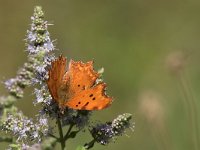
x,y
150,51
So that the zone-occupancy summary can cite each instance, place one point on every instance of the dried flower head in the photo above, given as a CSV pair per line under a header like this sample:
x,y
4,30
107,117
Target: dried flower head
x,y
176,62
150,106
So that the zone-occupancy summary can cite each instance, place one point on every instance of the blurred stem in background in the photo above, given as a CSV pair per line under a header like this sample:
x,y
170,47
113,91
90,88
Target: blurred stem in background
x,y
191,107
176,63
152,109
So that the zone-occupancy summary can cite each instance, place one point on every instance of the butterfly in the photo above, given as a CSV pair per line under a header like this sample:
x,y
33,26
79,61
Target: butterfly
x,y
76,88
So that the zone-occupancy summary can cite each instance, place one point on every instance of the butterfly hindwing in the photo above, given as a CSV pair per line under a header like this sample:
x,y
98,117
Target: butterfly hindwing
x,y
90,99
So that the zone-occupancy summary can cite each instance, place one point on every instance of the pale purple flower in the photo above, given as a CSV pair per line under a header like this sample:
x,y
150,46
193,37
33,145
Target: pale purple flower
x,y
104,133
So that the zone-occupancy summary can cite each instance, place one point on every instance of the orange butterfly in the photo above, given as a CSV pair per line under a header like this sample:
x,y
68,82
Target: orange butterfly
x,y
76,88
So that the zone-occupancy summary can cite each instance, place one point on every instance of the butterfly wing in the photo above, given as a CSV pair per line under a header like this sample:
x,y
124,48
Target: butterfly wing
x,y
76,88
90,99
56,74
82,76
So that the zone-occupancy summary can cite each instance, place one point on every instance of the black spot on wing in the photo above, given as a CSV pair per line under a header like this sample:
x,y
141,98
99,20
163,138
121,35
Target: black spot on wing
x,y
86,104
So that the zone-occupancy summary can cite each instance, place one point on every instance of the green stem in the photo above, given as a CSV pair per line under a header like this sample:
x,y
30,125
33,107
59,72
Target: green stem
x,y
68,132
53,136
62,141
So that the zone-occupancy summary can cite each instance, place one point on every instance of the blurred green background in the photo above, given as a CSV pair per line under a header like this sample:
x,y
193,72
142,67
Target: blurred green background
x,y
138,42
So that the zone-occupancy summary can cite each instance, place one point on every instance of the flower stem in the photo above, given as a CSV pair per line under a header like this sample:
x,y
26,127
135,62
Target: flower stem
x,y
62,141
68,132
53,136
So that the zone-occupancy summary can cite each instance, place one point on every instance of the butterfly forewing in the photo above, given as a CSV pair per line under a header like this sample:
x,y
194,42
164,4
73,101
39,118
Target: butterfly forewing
x,y
82,76
56,74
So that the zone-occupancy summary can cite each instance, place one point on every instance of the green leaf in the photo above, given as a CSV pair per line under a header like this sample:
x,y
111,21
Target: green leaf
x,y
73,134
80,148
15,147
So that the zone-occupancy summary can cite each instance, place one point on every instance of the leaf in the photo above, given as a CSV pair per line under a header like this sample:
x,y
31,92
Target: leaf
x,y
80,148
15,147
73,134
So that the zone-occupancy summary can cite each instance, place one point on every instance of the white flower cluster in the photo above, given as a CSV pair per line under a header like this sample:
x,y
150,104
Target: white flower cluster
x,y
24,129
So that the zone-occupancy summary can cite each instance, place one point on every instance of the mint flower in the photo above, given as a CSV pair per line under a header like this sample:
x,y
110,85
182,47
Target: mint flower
x,y
24,129
105,133
78,118
38,37
39,46
121,123
102,133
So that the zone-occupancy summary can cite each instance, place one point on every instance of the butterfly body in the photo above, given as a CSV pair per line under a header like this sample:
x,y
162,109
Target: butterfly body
x,y
76,88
